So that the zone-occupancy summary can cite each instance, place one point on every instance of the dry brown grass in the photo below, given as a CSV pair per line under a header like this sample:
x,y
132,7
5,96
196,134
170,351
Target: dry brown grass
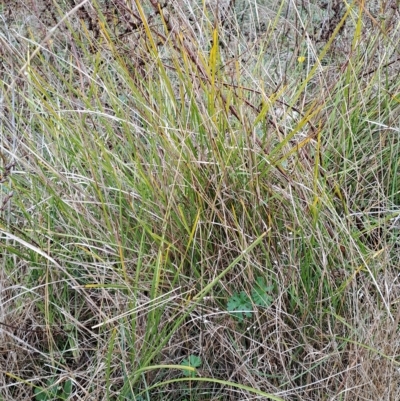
x,y
147,175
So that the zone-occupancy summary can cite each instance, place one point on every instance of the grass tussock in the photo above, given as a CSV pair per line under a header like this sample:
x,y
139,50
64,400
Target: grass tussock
x,y
199,200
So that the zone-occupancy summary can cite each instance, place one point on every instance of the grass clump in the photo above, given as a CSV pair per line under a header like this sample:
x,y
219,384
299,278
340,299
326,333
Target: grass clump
x,y
199,202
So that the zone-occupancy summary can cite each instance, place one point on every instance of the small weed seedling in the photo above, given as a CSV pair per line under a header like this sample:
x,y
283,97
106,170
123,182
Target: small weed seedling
x,y
240,304
54,392
193,361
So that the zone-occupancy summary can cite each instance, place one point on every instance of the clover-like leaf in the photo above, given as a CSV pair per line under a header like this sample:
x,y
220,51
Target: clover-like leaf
x,y
260,293
239,305
193,361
